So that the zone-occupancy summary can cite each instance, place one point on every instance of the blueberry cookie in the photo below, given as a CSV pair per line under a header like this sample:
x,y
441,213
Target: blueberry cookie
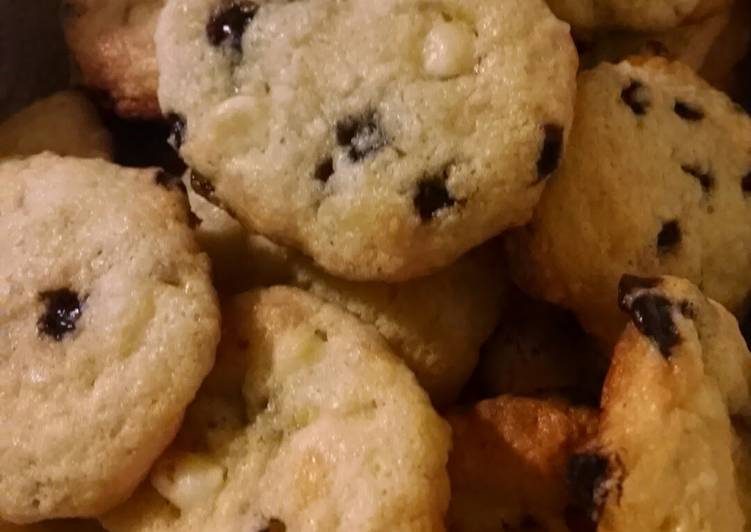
x,y
641,15
664,455
508,463
46,126
108,324
382,139
657,180
112,42
307,422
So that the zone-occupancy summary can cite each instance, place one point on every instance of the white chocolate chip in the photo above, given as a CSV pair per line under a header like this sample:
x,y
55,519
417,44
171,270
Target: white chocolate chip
x,y
187,480
448,50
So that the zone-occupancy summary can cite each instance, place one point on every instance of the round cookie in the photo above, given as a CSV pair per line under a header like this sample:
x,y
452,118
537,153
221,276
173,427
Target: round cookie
x,y
307,422
664,455
112,43
386,156
46,126
108,323
436,324
508,463
657,179
640,15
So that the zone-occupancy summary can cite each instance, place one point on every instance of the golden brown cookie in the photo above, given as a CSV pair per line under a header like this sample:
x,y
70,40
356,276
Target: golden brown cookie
x,y
666,453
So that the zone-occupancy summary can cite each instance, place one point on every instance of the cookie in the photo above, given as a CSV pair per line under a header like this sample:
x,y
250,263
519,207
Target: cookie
x,y
663,458
652,15
46,126
690,44
508,463
112,44
307,422
383,157
657,179
108,323
540,349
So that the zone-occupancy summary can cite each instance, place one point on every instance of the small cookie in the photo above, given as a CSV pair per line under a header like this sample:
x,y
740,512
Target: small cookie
x,y
65,123
647,15
663,459
657,179
540,349
307,422
690,44
386,156
436,324
508,463
108,323
113,44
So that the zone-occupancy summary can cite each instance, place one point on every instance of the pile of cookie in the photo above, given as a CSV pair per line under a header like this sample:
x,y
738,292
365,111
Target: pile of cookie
x,y
368,265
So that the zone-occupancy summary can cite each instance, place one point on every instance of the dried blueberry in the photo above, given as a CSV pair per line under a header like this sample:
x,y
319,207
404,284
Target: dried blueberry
x,y
706,180
361,135
651,313
746,184
274,525
586,476
688,111
634,96
177,127
170,181
228,24
432,196
550,154
669,236
324,170
62,311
